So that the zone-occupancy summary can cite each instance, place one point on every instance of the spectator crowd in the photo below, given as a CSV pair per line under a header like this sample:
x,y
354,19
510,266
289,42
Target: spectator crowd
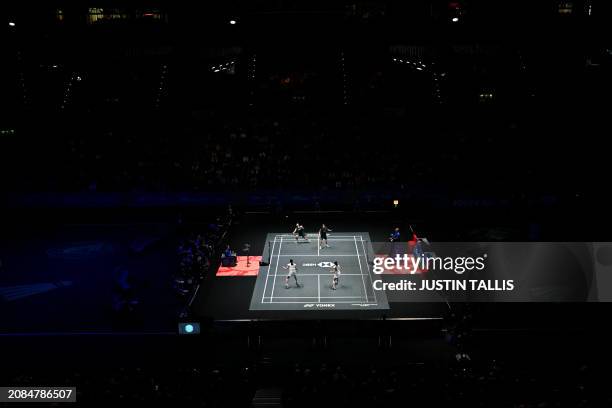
x,y
197,252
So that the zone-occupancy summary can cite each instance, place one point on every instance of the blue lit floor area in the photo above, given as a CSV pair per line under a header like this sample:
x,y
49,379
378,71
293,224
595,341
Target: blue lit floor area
x,y
65,278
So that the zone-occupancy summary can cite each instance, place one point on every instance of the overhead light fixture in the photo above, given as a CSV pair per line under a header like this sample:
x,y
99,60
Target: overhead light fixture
x,y
455,19
232,22
11,24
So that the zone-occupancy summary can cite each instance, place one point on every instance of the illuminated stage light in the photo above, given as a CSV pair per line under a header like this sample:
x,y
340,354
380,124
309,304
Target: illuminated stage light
x,y
189,328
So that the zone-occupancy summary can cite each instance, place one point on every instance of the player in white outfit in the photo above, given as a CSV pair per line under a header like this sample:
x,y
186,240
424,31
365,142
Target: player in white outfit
x,y
292,272
335,275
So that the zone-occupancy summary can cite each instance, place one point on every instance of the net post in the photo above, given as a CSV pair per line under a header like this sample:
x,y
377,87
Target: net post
x,y
269,252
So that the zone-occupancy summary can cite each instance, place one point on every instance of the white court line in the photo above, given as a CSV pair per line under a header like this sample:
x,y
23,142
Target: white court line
x,y
341,301
330,239
347,239
317,297
368,267
365,290
268,273
328,255
313,233
329,274
365,254
280,246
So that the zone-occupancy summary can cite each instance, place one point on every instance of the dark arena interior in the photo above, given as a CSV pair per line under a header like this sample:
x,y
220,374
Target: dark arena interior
x,y
242,203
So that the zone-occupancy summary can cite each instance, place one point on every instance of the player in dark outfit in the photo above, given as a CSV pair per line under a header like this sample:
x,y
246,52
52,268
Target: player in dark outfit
x,y
323,236
299,232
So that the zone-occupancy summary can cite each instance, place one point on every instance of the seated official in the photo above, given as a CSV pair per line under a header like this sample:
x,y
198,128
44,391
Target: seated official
x,y
395,235
228,257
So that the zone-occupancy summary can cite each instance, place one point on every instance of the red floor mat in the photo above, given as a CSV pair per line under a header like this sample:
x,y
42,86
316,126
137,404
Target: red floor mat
x,y
241,269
